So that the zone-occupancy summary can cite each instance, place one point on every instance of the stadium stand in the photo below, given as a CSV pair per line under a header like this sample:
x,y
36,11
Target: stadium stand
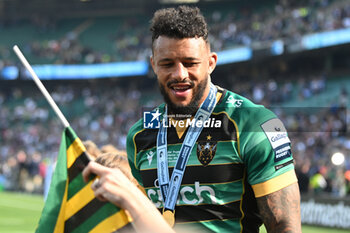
x,y
124,38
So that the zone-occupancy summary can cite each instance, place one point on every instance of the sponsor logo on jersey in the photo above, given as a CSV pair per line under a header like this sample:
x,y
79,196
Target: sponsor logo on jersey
x,y
275,132
234,102
282,152
278,137
206,151
188,195
277,167
150,157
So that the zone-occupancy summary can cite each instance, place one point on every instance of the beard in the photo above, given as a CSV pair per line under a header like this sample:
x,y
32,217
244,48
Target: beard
x,y
193,106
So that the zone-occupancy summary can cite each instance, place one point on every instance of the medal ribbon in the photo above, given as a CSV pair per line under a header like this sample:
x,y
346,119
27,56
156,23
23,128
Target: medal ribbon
x,y
170,189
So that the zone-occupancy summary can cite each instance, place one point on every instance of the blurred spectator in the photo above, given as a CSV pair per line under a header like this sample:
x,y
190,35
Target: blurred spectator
x,y
302,172
318,182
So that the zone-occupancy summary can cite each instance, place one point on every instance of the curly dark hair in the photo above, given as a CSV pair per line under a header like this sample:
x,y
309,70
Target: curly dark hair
x,y
180,22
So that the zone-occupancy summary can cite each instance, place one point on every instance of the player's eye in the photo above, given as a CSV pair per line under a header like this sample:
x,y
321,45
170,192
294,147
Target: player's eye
x,y
190,64
166,64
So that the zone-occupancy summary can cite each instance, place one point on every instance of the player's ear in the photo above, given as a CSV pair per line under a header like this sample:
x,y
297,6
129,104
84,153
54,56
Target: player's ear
x,y
213,58
152,63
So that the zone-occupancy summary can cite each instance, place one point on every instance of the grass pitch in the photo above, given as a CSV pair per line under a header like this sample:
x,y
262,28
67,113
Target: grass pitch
x,y
20,213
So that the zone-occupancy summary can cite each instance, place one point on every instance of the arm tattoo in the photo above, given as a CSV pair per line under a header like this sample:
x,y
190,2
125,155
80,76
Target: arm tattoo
x,y
280,211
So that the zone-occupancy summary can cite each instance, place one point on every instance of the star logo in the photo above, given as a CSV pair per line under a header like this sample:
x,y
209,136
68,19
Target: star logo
x,y
156,115
209,137
151,119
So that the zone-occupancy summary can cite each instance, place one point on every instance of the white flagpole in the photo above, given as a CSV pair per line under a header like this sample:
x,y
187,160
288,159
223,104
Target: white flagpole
x,y
41,86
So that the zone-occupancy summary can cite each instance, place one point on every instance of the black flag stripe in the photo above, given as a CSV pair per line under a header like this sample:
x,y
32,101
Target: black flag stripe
x,y
82,215
78,166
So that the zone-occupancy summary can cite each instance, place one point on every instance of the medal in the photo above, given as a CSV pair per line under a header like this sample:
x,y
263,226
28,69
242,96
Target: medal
x,y
169,217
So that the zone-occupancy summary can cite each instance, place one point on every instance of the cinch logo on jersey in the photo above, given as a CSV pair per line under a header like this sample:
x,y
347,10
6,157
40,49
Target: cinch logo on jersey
x,y
188,195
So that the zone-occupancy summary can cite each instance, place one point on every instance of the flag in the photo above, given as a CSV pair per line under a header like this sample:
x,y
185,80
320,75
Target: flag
x,y
71,205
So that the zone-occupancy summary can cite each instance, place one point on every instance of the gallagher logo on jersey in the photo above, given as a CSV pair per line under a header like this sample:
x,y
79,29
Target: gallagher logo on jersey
x,y
278,138
206,151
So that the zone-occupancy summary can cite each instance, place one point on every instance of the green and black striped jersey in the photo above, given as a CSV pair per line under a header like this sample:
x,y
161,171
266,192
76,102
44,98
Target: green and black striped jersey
x,y
244,153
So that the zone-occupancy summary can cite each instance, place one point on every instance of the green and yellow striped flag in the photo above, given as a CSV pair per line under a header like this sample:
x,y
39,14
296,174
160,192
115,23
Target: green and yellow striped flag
x,y
71,205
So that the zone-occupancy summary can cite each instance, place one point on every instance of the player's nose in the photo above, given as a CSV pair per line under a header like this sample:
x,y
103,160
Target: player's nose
x,y
179,72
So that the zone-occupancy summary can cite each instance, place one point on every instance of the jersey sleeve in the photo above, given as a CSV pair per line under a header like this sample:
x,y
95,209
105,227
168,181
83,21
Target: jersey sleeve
x,y
266,152
131,152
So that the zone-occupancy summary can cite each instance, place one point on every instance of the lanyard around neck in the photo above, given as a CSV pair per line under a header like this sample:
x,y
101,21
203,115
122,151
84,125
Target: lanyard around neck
x,y
170,188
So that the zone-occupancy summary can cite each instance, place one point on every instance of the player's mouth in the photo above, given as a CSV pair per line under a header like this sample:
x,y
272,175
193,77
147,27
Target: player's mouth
x,y
181,90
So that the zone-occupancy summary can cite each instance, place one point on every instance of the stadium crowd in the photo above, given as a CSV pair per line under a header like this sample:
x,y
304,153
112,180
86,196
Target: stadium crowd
x,y
30,132
237,25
